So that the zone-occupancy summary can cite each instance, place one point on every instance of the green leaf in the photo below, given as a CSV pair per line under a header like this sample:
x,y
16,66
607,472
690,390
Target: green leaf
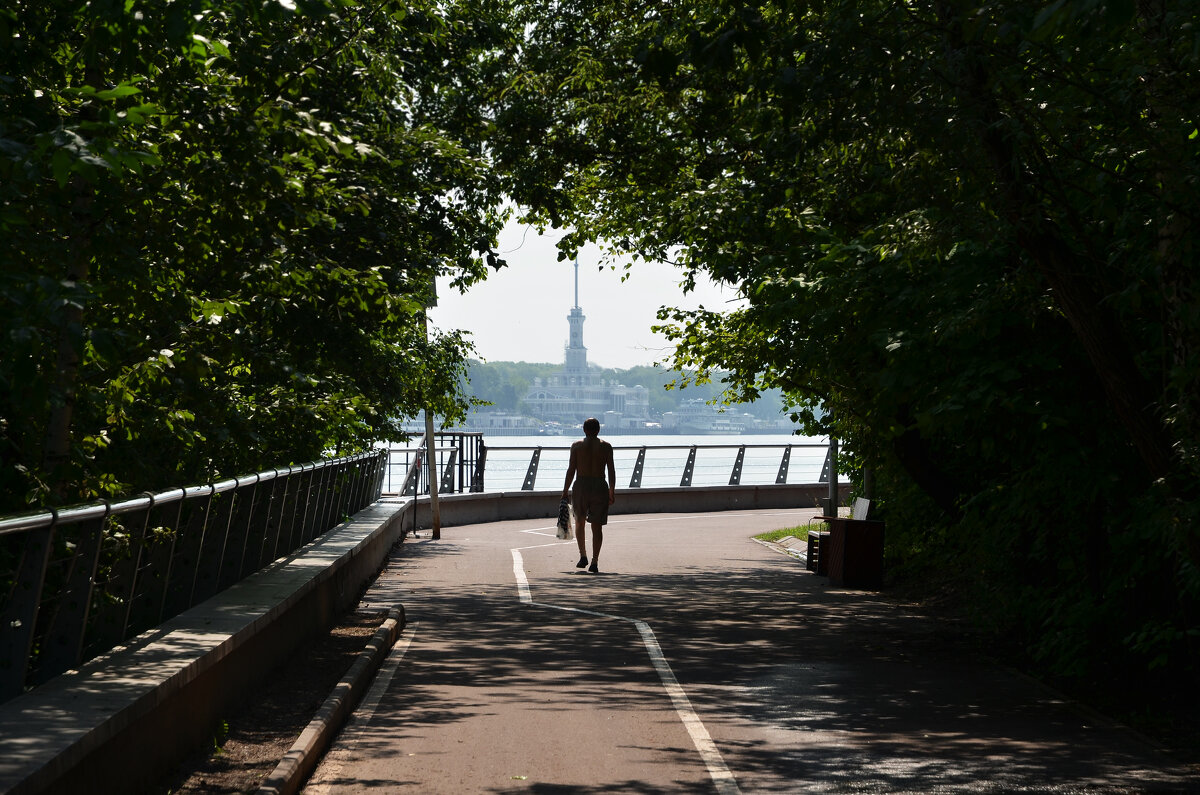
x,y
123,90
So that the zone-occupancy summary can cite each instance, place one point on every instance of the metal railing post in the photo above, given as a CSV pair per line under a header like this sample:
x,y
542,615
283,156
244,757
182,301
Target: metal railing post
x,y
686,480
328,500
216,536
477,483
20,615
249,499
463,464
196,503
635,479
381,464
138,548
152,575
176,531
447,485
781,477
351,476
235,535
318,497
337,497
735,477
531,473
270,522
412,480
286,515
832,508
343,483
364,478
62,641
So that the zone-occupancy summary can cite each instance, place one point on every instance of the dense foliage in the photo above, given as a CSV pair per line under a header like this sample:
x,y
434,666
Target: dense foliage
x,y
220,222
968,230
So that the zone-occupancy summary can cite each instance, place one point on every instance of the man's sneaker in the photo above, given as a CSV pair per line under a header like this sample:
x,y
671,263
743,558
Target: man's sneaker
x,y
593,568
582,562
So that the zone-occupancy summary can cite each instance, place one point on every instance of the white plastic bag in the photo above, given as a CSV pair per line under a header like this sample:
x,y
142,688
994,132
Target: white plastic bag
x,y
564,521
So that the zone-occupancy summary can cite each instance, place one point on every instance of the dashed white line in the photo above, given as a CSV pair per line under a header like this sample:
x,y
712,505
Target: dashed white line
x,y
721,776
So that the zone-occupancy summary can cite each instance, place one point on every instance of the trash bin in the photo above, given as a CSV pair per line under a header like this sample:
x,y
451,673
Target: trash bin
x,y
818,545
854,551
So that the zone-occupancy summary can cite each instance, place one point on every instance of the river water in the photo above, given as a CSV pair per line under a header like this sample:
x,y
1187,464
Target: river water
x,y
508,459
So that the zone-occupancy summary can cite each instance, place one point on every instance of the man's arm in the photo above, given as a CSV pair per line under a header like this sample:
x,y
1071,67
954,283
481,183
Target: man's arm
x,y
570,474
612,474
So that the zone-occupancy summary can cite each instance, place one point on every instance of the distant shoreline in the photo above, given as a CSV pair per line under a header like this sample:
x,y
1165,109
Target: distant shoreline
x,y
687,431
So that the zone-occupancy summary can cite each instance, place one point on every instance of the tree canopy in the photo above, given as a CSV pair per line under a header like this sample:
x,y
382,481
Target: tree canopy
x,y
221,221
966,230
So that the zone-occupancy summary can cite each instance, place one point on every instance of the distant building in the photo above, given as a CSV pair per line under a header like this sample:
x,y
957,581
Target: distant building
x,y
486,418
578,391
700,416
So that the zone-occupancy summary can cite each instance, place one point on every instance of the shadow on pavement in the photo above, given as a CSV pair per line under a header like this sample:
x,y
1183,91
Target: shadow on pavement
x,y
801,685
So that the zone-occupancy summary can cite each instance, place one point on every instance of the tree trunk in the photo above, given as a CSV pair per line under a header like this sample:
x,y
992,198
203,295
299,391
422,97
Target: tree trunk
x,y
56,454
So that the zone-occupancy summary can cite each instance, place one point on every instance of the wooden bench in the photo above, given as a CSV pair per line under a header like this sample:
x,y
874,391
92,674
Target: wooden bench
x,y
850,553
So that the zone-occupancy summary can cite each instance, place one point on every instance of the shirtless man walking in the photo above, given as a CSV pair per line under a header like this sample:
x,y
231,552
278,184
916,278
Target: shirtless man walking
x,y
590,499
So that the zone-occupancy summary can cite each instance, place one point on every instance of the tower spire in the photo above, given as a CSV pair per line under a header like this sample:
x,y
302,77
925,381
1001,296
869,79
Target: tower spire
x,y
576,352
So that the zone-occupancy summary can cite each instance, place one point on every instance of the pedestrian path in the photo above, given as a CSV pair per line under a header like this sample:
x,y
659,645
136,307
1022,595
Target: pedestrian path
x,y
697,661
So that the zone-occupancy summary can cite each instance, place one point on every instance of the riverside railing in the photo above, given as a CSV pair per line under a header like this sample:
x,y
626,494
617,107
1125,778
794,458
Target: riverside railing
x,y
503,468
77,581
458,457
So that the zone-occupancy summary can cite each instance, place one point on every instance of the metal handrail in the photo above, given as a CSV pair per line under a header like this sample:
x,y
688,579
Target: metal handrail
x,y
688,470
471,454
776,445
76,581
459,459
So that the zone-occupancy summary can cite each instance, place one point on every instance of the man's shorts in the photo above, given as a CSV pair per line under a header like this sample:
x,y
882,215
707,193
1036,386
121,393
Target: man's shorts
x,y
589,499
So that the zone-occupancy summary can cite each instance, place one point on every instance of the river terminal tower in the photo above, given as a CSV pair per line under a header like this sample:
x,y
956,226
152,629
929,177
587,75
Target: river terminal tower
x,y
578,391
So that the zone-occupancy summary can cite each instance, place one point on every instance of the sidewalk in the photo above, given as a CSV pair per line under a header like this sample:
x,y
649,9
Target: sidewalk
x,y
697,661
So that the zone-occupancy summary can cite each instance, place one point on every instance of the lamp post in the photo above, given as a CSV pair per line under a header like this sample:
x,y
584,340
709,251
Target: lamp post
x,y
832,506
435,513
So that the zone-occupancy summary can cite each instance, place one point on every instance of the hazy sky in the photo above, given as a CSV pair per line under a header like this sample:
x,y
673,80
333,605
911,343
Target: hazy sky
x,y
520,313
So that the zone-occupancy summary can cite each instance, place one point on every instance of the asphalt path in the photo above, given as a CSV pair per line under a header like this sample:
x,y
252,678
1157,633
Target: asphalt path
x,y
697,661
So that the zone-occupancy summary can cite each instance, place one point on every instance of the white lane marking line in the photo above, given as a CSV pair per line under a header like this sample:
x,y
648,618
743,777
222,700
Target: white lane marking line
x,y
522,580
709,515
538,531
720,774
342,752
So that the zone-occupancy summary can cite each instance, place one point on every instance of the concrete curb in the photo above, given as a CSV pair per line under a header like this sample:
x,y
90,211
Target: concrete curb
x,y
783,549
300,761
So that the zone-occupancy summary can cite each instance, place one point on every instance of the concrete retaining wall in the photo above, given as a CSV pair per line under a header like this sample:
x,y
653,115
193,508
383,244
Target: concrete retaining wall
x,y
460,509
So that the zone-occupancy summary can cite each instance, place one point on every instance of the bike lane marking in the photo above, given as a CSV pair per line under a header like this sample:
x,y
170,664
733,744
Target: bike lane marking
x,y
722,777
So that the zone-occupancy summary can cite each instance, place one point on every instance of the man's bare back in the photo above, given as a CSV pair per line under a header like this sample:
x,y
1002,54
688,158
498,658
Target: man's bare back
x,y
591,456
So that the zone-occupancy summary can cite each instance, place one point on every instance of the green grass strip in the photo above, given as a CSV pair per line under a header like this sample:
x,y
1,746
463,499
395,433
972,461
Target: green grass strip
x,y
800,532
